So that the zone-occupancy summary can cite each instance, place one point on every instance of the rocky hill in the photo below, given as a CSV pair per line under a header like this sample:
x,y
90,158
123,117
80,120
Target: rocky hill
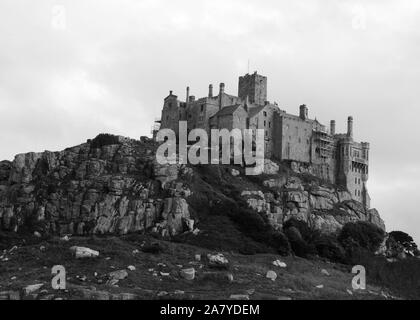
x,y
111,195
113,185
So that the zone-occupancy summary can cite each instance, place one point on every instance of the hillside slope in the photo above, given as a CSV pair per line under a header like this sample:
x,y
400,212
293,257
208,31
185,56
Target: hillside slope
x,y
158,275
113,185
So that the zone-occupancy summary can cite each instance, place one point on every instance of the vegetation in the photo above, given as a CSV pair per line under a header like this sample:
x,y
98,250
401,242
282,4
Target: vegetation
x,y
361,234
404,240
104,139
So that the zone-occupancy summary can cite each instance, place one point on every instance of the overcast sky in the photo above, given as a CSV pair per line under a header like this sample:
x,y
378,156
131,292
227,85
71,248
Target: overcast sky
x,y
72,69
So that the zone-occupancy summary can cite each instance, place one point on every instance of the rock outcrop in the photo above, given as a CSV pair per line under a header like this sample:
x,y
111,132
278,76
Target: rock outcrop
x,y
93,188
114,185
324,208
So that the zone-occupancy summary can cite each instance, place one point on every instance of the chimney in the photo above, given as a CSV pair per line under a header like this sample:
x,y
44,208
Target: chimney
x,y
221,92
170,92
188,94
211,91
303,113
350,127
246,103
332,127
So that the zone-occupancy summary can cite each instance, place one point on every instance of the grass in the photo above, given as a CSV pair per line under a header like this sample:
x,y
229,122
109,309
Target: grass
x,y
30,264
401,276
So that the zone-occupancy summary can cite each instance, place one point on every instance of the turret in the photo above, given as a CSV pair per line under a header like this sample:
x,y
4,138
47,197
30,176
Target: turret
x,y
303,112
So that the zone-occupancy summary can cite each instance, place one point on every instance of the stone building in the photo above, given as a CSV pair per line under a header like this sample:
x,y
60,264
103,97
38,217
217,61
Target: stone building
x,y
304,143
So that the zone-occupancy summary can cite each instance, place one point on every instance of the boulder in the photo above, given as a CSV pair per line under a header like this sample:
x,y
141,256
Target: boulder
x,y
271,275
270,167
325,272
188,274
82,252
118,275
279,264
32,288
217,260
234,172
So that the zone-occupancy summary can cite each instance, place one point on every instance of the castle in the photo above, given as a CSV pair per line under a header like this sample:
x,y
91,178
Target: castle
x,y
303,142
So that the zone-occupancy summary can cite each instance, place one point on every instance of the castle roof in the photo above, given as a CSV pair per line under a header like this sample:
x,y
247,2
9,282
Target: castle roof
x,y
227,110
255,110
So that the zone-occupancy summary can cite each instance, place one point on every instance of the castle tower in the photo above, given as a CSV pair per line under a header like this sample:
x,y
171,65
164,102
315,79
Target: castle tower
x,y
303,112
254,86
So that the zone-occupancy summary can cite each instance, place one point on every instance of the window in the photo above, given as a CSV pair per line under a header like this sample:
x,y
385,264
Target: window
x,y
300,140
355,180
265,114
202,107
359,180
264,123
355,192
269,124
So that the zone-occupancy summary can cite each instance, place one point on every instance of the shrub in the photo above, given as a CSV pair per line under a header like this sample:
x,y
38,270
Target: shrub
x,y
405,240
299,246
104,139
305,231
279,241
301,237
254,226
327,246
401,277
306,241
361,234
